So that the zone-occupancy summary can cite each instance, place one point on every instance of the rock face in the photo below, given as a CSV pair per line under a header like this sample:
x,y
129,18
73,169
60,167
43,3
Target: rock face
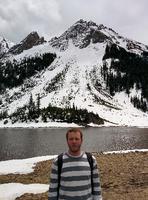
x,y
82,33
4,46
31,40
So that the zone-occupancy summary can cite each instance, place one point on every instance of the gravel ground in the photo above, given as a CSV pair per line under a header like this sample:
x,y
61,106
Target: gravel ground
x,y
123,177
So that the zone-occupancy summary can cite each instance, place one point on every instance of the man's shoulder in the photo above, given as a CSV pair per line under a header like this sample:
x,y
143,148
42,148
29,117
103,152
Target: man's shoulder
x,y
89,156
59,158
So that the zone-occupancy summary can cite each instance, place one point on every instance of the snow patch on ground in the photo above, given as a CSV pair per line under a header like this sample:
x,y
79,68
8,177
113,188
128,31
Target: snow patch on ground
x,y
21,166
10,191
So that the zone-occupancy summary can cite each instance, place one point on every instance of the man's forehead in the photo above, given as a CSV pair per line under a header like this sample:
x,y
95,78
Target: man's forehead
x,y
72,133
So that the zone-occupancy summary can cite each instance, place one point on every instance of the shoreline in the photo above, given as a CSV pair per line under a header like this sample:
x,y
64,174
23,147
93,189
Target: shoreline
x,y
65,125
32,126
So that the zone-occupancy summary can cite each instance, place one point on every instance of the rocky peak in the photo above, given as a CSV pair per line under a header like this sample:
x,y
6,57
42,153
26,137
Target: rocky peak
x,y
4,46
82,25
31,40
82,33
101,26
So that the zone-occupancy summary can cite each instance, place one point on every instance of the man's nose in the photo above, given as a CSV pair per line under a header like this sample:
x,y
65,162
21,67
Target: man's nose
x,y
74,140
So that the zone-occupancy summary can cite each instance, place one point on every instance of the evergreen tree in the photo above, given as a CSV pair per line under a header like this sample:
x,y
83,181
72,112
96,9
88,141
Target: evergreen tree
x,y
38,103
3,114
31,109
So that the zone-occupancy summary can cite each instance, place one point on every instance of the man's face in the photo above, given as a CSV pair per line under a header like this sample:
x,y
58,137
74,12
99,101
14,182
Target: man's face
x,y
74,142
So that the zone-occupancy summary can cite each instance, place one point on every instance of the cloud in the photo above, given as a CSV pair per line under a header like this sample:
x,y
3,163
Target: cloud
x,y
52,17
127,17
19,17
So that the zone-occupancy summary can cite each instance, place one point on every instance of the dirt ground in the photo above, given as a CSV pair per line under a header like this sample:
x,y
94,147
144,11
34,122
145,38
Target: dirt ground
x,y
123,177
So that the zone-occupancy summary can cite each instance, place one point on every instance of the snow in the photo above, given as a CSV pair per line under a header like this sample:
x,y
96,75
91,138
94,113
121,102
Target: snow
x,y
21,166
5,44
126,151
10,191
36,125
123,42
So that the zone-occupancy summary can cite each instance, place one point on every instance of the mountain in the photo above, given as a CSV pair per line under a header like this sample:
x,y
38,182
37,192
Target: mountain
x,y
5,45
31,40
81,34
89,74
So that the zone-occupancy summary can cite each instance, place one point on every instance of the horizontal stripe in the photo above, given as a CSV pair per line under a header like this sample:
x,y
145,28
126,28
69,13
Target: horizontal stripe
x,y
75,169
79,198
75,188
75,178
54,171
97,193
52,198
97,190
96,184
95,176
78,173
52,194
71,164
54,180
53,185
75,183
96,180
52,190
84,197
72,160
53,176
76,193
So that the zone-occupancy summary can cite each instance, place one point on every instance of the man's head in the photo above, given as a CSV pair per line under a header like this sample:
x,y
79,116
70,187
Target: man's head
x,y
74,138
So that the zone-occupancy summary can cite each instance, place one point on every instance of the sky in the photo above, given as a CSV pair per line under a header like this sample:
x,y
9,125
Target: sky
x,y
51,18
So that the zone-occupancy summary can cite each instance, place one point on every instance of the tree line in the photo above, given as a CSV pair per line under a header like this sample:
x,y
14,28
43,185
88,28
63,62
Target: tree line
x,y
127,70
13,73
32,112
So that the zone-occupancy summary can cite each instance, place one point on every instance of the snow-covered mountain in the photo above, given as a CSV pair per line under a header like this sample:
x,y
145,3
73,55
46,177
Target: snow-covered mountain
x,y
82,33
89,67
5,45
31,40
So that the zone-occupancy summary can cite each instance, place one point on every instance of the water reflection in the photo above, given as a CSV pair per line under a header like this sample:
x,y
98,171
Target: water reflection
x,y
24,143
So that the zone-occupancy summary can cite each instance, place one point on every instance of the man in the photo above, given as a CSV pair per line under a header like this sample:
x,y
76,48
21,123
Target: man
x,y
77,179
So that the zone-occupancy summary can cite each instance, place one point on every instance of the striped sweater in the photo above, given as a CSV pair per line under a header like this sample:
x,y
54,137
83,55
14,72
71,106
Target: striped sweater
x,y
75,182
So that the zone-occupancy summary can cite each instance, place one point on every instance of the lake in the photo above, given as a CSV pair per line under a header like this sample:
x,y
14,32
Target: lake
x,y
18,143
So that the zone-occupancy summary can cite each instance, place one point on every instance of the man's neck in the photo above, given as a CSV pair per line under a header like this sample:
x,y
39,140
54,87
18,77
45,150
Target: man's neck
x,y
75,153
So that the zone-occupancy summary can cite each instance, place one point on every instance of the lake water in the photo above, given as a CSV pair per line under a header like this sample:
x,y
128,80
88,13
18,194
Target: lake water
x,y
19,143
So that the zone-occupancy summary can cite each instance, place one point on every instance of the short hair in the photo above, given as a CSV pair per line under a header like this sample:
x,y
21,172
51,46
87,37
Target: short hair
x,y
74,130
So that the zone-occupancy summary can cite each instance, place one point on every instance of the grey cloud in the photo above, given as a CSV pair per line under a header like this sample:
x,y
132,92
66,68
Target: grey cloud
x,y
52,17
23,16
